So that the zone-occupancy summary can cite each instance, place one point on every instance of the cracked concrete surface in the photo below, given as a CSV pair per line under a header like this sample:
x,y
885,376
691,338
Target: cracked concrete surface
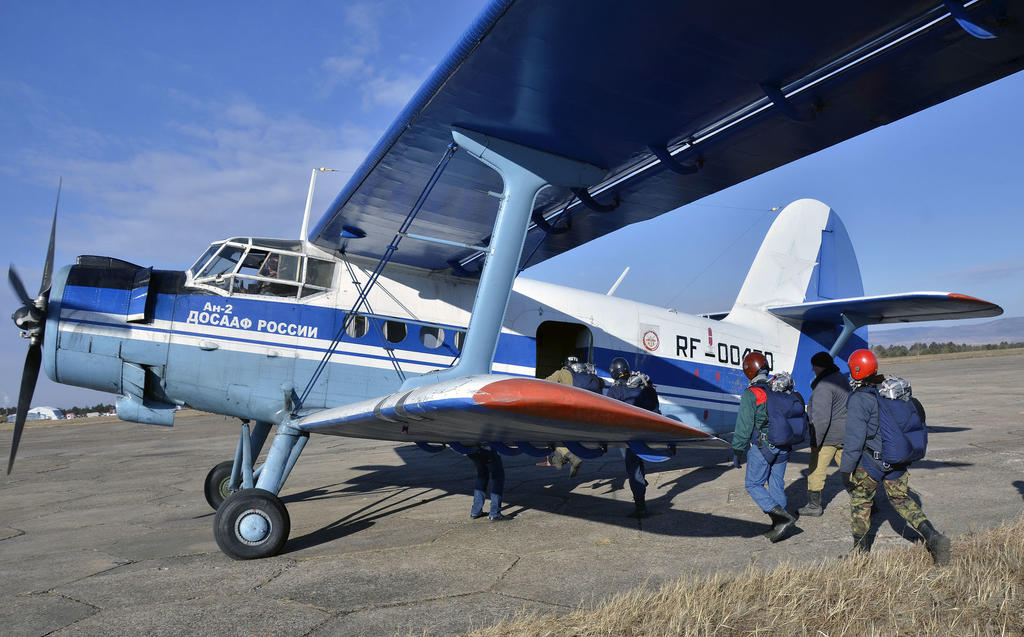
x,y
104,528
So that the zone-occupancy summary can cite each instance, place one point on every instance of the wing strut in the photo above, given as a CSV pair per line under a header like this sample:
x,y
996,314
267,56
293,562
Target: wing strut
x,y
524,171
384,259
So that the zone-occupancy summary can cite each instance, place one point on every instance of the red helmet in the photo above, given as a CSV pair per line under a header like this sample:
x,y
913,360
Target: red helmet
x,y
753,363
862,364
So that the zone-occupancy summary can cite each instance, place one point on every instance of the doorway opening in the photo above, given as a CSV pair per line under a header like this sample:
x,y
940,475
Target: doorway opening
x,y
557,340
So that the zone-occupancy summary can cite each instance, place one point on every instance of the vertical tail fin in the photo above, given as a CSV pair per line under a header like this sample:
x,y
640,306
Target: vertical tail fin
x,y
806,256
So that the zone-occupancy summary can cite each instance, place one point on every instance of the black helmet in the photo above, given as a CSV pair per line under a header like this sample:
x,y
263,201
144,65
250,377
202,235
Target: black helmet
x,y
619,368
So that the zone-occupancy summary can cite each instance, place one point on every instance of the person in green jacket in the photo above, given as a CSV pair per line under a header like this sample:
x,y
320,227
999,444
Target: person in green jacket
x,y
766,463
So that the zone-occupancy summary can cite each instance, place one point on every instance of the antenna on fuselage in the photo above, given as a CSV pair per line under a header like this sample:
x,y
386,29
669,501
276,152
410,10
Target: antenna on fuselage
x,y
615,285
309,204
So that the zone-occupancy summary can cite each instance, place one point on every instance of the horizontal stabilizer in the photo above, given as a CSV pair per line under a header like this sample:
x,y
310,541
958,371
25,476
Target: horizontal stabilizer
x,y
890,308
501,408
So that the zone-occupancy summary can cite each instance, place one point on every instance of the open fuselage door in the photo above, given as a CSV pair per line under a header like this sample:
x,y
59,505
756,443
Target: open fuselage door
x,y
558,340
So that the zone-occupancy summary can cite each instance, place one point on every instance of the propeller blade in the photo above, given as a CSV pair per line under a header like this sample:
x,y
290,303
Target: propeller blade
x,y
28,387
48,266
18,286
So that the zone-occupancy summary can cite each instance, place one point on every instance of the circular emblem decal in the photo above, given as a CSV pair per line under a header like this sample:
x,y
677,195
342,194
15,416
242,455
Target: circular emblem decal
x,y
650,340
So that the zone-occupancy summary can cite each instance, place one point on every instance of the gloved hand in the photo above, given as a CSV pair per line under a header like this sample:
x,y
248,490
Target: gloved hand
x,y
737,456
847,480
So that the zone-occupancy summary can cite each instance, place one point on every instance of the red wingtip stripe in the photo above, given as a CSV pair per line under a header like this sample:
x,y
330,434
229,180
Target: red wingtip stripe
x,y
552,401
964,297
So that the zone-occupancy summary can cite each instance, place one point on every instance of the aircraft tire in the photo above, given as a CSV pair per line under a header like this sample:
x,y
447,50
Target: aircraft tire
x,y
216,486
250,524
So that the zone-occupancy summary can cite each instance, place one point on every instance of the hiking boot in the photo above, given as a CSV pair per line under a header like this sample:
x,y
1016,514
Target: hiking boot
x,y
813,508
574,466
557,460
640,508
782,522
936,543
862,543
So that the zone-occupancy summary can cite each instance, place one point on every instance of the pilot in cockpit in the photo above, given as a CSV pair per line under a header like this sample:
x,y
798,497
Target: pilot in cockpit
x,y
269,269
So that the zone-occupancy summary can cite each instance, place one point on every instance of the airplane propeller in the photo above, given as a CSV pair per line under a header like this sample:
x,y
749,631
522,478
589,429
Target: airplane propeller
x,y
31,320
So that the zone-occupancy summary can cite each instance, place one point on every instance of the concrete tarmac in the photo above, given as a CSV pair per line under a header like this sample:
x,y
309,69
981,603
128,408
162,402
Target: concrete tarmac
x,y
104,528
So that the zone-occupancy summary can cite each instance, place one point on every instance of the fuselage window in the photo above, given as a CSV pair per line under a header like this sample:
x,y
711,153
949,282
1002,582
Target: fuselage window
x,y
431,337
357,327
460,340
395,331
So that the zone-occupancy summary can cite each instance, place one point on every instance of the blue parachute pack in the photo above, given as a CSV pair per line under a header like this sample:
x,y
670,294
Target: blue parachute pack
x,y
584,377
901,437
787,418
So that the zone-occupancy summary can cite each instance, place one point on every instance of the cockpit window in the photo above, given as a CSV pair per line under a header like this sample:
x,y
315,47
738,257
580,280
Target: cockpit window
x,y
319,272
241,266
225,261
201,261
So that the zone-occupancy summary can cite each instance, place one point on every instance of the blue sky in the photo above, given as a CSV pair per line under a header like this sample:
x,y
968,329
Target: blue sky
x,y
177,124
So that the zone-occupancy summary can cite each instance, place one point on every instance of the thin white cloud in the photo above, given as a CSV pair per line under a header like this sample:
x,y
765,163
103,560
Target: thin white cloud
x,y
394,91
244,172
361,67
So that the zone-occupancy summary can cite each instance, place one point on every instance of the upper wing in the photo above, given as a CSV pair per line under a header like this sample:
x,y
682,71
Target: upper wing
x,y
891,308
733,89
499,408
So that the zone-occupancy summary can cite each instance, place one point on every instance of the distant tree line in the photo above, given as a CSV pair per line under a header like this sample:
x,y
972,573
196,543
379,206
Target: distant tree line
x,y
917,349
102,408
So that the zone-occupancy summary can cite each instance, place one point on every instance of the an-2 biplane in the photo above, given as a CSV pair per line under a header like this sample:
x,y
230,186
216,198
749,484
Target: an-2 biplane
x,y
400,317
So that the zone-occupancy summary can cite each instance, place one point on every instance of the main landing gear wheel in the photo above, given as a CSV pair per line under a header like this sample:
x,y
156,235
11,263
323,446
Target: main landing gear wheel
x,y
250,524
217,481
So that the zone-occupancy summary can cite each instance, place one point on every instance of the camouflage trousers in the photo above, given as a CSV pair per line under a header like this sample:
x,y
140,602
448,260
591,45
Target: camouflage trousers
x,y
863,494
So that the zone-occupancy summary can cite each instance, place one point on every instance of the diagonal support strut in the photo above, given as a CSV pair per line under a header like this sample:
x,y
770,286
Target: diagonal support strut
x,y
525,172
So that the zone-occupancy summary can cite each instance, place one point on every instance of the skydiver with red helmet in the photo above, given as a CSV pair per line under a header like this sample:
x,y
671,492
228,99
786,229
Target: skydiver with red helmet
x,y
862,466
766,463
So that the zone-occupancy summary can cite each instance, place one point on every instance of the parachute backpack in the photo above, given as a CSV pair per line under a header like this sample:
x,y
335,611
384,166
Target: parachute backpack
x,y
901,434
787,418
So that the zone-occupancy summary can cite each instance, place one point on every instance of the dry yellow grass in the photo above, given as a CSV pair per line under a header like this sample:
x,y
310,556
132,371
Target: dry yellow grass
x,y
887,592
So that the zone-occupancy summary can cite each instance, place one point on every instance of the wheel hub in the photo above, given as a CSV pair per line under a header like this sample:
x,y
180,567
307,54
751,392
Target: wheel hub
x,y
253,527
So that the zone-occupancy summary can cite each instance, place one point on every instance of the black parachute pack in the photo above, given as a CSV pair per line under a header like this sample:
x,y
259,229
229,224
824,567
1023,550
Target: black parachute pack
x,y
787,417
901,437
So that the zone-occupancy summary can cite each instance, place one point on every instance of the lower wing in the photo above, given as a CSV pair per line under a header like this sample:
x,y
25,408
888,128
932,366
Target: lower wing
x,y
503,409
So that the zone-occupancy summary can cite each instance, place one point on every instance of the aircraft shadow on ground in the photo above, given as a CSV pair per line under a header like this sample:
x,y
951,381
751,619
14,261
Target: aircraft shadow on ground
x,y
529,487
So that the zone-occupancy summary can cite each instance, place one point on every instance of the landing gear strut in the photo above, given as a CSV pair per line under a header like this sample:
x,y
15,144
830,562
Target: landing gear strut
x,y
251,522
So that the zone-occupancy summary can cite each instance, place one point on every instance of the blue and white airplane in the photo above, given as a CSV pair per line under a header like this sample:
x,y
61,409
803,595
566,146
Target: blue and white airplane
x,y
401,316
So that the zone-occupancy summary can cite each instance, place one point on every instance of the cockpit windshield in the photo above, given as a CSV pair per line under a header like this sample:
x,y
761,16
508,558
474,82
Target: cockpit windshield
x,y
261,267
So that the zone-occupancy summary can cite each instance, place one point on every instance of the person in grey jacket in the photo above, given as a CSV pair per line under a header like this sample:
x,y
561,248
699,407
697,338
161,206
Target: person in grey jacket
x,y
826,410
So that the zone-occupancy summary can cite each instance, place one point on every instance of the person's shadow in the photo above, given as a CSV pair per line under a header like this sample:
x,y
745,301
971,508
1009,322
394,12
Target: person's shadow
x,y
1020,487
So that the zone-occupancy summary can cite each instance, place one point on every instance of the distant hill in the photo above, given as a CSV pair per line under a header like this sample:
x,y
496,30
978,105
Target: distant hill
x,y
1010,330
